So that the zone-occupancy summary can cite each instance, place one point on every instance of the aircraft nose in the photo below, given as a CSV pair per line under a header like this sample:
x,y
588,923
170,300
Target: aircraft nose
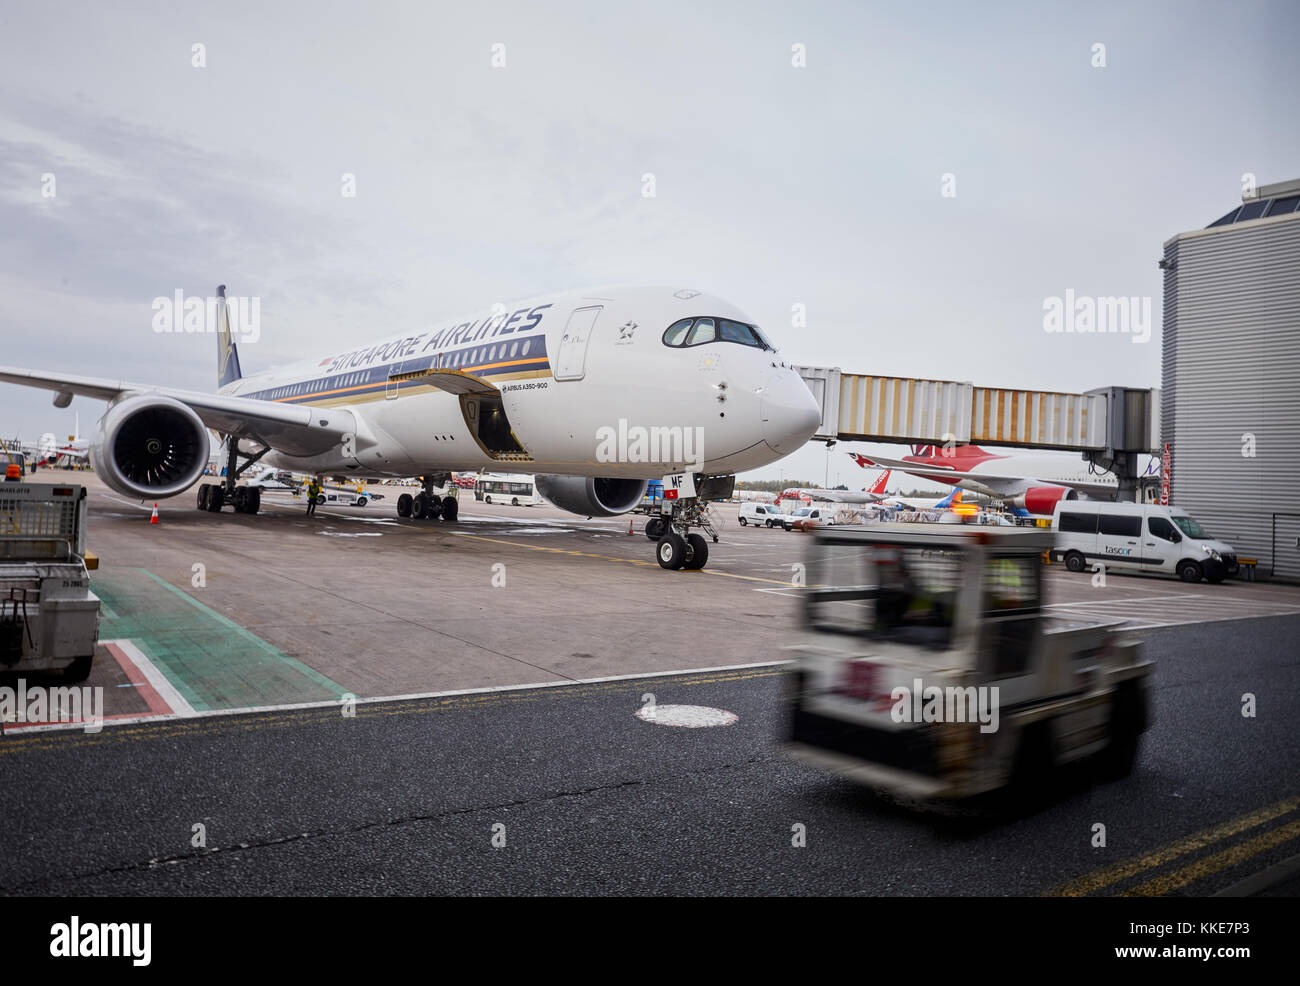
x,y
789,412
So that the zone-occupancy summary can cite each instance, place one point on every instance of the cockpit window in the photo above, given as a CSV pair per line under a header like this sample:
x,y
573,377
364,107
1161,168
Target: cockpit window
x,y
704,331
700,331
735,332
676,333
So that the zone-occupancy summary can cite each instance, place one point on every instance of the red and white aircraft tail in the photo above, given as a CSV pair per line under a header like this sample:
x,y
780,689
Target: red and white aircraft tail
x,y
1034,483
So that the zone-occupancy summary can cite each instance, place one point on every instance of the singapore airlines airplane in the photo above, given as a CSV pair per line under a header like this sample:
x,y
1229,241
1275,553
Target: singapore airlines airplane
x,y
596,392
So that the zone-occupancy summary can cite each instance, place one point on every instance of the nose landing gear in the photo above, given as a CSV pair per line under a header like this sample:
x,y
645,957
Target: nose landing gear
x,y
677,546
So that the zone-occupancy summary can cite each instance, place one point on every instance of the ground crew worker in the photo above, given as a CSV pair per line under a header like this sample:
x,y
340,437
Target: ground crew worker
x,y
313,491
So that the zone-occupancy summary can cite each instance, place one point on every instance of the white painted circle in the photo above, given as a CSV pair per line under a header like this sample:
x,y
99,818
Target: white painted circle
x,y
690,716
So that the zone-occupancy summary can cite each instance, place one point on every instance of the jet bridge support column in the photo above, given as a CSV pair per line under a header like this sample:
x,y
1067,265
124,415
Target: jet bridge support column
x,y
1132,430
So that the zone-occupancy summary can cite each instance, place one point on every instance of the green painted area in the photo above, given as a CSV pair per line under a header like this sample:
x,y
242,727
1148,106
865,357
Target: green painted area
x,y
214,662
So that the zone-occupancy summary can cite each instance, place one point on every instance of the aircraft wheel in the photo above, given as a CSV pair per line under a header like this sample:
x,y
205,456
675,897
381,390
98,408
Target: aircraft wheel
x,y
434,509
1074,561
404,505
654,528
420,506
253,502
216,499
697,552
671,551
203,496
450,509
241,499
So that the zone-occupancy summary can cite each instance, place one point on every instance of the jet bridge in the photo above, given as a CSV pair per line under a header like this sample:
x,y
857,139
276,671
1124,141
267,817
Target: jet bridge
x,y
1110,426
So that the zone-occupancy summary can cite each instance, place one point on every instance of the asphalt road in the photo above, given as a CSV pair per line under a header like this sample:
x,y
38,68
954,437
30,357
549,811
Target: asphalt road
x,y
403,798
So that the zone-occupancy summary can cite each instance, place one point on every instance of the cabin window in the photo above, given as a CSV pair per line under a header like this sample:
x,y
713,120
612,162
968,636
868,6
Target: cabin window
x,y
1119,525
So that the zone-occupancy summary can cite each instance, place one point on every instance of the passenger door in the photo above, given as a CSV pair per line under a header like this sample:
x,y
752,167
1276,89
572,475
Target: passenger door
x,y
1160,545
571,361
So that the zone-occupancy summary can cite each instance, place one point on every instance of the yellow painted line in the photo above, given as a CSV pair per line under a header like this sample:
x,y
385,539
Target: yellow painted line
x,y
1121,871
1213,864
211,726
615,558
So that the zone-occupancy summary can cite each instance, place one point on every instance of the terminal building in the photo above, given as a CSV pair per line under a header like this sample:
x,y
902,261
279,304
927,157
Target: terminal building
x,y
1230,404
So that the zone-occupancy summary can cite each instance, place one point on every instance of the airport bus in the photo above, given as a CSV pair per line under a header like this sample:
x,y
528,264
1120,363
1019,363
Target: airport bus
x,y
516,489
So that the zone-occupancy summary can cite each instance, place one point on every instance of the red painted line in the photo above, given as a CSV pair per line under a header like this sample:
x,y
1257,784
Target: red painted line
x,y
147,691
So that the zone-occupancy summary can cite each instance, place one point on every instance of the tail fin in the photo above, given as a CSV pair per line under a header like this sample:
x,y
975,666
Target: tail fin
x,y
227,355
953,499
879,485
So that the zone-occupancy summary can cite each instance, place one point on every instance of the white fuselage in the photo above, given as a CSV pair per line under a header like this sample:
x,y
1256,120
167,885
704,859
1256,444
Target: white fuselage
x,y
581,383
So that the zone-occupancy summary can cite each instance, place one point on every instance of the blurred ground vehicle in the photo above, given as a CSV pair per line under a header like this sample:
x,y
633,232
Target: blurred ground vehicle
x,y
49,618
930,670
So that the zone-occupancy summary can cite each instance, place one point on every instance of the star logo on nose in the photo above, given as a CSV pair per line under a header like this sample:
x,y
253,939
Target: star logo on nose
x,y
626,329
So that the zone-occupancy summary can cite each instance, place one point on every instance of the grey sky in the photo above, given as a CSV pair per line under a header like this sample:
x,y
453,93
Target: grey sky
x,y
775,185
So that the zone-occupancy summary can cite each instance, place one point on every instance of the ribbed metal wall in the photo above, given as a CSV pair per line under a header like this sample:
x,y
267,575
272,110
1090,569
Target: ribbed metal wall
x,y
1232,369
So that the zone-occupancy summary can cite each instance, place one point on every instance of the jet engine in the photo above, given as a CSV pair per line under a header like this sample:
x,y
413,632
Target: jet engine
x,y
149,447
592,497
1042,500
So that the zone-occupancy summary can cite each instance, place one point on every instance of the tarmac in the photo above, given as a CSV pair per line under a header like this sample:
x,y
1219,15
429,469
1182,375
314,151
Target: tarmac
x,y
204,613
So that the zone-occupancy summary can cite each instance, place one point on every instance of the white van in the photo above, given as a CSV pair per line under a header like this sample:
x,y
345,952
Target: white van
x,y
811,516
1143,537
765,514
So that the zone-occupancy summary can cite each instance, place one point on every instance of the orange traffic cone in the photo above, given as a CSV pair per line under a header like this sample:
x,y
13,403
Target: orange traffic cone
x,y
153,518
629,526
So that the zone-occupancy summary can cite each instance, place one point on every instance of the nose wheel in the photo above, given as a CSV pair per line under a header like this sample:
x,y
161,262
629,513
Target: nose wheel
x,y
676,545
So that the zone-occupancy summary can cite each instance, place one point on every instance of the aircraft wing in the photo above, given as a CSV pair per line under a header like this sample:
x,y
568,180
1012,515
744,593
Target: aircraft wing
x,y
291,428
69,452
989,484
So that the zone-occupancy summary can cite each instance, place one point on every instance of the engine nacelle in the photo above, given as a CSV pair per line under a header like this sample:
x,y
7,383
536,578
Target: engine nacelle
x,y
1042,500
149,447
592,497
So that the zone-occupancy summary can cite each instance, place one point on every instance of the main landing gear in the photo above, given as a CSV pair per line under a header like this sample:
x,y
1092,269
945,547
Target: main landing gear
x,y
245,499
676,545
427,505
